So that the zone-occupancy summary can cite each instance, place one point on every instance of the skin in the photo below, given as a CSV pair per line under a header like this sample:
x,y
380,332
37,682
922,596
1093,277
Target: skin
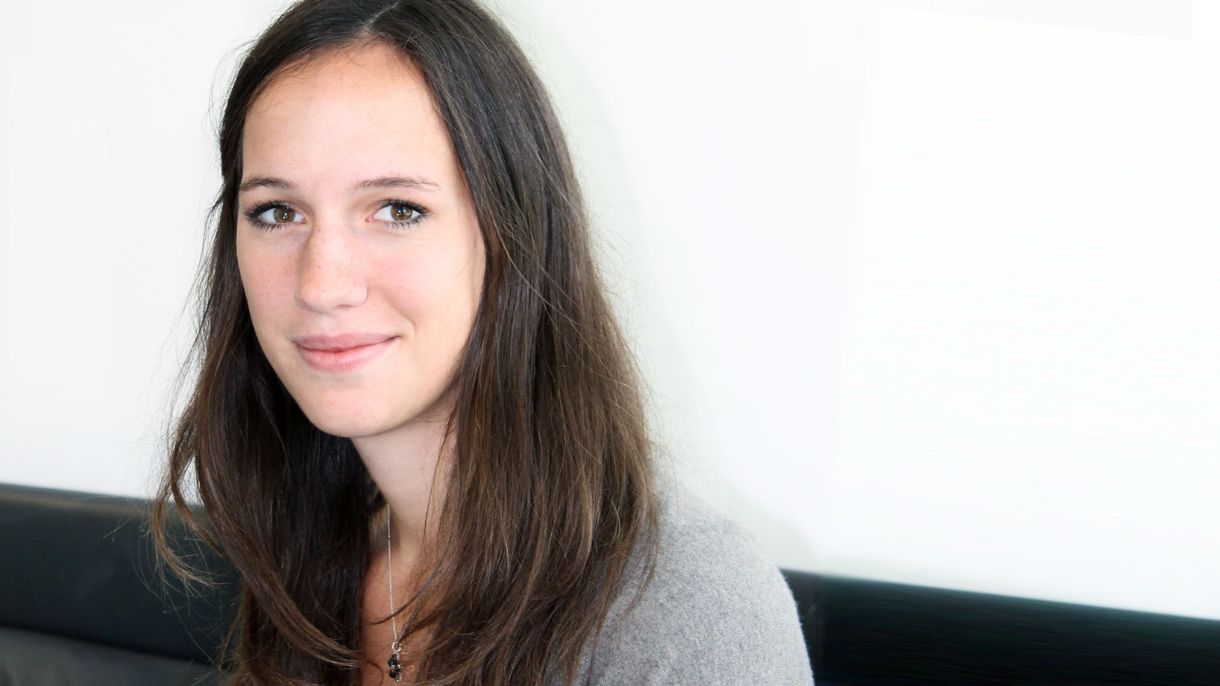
x,y
335,263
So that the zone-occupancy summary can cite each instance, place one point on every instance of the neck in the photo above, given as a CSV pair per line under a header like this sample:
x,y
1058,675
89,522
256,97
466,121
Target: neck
x,y
410,467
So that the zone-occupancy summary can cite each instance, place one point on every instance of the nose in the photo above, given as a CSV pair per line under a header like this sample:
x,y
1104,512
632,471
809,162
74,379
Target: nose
x,y
330,273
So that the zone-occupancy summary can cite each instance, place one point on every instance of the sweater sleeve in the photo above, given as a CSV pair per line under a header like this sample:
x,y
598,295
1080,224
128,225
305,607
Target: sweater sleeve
x,y
717,612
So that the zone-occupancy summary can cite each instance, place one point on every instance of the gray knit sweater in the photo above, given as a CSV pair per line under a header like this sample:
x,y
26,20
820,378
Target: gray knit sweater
x,y
717,612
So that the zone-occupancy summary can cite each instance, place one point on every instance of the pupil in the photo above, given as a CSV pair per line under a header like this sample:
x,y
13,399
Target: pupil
x,y
401,212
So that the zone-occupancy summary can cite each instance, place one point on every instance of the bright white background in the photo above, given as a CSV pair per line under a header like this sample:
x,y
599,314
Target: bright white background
x,y
926,290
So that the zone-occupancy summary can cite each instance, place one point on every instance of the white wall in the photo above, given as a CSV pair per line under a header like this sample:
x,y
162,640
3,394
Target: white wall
x,y
925,289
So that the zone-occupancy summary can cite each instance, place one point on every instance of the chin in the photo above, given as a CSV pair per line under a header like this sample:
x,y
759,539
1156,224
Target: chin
x,y
340,429
342,424
359,414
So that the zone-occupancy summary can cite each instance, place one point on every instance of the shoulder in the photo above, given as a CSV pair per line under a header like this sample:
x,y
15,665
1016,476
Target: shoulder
x,y
715,611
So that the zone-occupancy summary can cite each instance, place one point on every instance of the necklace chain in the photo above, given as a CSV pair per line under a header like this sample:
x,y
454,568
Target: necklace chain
x,y
396,646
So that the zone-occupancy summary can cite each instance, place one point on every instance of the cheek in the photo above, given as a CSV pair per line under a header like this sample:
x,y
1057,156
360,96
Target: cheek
x,y
422,292
267,285
438,295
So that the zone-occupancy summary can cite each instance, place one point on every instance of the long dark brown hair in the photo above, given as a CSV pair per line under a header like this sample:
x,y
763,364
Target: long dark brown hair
x,y
550,494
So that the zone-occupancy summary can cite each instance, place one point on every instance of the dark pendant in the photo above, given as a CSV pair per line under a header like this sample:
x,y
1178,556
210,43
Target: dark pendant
x,y
395,668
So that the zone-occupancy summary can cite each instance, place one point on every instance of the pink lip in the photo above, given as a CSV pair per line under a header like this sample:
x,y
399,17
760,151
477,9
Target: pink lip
x,y
342,353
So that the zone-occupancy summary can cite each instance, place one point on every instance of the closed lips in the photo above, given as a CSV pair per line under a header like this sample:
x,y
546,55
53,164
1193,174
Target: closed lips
x,y
341,341
342,353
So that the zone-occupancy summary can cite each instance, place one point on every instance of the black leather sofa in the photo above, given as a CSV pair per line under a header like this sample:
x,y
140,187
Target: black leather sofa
x,y
81,603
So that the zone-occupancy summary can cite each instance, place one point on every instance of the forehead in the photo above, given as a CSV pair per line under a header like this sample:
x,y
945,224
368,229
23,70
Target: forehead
x,y
347,113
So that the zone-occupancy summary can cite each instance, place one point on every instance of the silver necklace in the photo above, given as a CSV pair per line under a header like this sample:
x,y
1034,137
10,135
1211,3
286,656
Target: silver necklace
x,y
395,647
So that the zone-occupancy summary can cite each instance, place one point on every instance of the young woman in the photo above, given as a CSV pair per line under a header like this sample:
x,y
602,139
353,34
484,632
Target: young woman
x,y
416,430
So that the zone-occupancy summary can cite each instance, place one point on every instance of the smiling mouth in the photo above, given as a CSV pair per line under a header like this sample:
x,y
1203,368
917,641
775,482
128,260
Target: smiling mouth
x,y
343,359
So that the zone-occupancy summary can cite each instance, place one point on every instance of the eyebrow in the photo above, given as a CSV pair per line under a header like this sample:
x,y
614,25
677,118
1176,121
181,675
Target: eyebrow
x,y
379,183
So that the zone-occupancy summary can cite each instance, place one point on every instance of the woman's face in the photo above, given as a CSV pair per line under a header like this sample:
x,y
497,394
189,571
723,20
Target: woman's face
x,y
357,242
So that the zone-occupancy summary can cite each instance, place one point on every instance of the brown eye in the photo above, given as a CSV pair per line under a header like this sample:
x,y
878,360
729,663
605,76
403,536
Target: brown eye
x,y
399,213
275,215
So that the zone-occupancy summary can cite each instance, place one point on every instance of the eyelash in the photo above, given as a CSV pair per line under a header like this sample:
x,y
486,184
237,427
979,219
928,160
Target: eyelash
x,y
253,213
